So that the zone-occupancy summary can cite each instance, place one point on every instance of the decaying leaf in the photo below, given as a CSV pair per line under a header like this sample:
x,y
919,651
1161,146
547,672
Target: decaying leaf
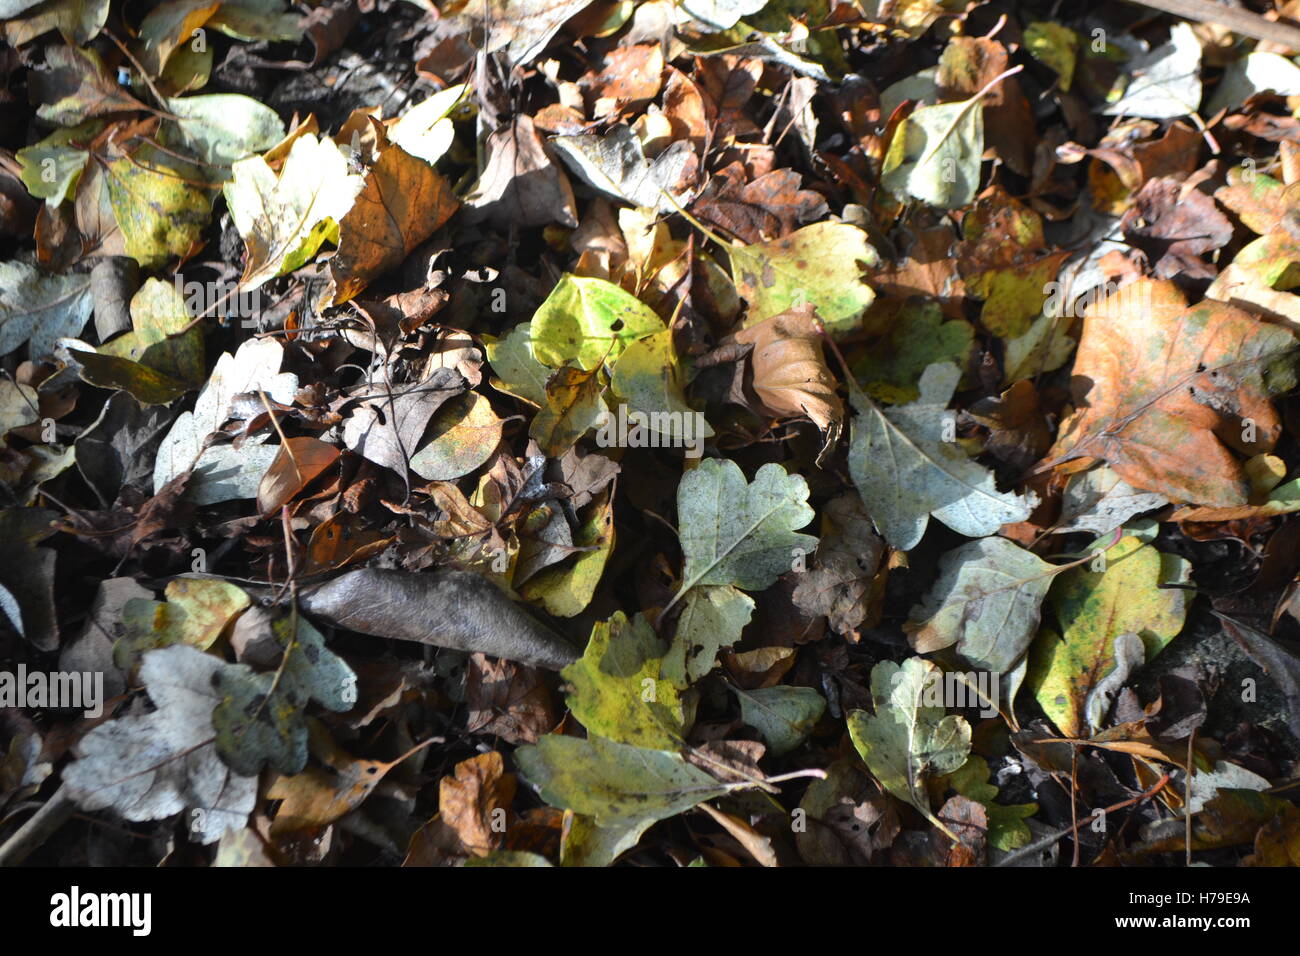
x,y
154,765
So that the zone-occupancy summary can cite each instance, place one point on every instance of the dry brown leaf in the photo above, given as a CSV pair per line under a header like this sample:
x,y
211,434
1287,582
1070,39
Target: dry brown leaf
x,y
476,800
1160,388
790,375
298,462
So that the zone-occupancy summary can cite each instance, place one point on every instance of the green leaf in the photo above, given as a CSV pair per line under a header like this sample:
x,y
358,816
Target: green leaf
x,y
908,737
1055,46
161,337
589,321
907,467
584,842
1093,607
615,784
519,374
919,337
819,265
567,589
51,171
987,601
170,24
1007,829
508,858
618,689
260,719
739,533
783,715
935,154
161,204
220,128
284,218
712,618
649,378
148,386
40,308
196,613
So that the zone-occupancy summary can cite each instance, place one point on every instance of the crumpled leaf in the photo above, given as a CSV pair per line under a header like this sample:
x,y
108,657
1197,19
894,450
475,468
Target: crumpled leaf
x,y
615,784
783,715
297,464
168,25
986,601
1098,500
619,691
589,321
522,28
521,183
819,265
573,405
615,164
739,533
260,720
848,562
789,369
906,471
223,472
79,21
469,798
1007,829
565,590
39,309
908,739
283,218
1093,607
1161,386
151,766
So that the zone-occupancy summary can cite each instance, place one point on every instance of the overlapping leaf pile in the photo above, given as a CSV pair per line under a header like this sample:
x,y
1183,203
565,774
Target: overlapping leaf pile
x,y
703,433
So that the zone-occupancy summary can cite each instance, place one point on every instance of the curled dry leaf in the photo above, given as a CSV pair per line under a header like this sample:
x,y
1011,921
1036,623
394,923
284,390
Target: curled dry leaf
x,y
454,609
790,374
296,465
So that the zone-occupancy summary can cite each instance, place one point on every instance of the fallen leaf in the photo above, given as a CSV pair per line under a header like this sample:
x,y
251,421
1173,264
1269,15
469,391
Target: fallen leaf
x,y
906,470
907,739
155,765
1160,386
986,601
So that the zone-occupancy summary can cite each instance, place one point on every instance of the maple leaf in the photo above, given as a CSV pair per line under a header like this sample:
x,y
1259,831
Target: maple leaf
x,y
1162,387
